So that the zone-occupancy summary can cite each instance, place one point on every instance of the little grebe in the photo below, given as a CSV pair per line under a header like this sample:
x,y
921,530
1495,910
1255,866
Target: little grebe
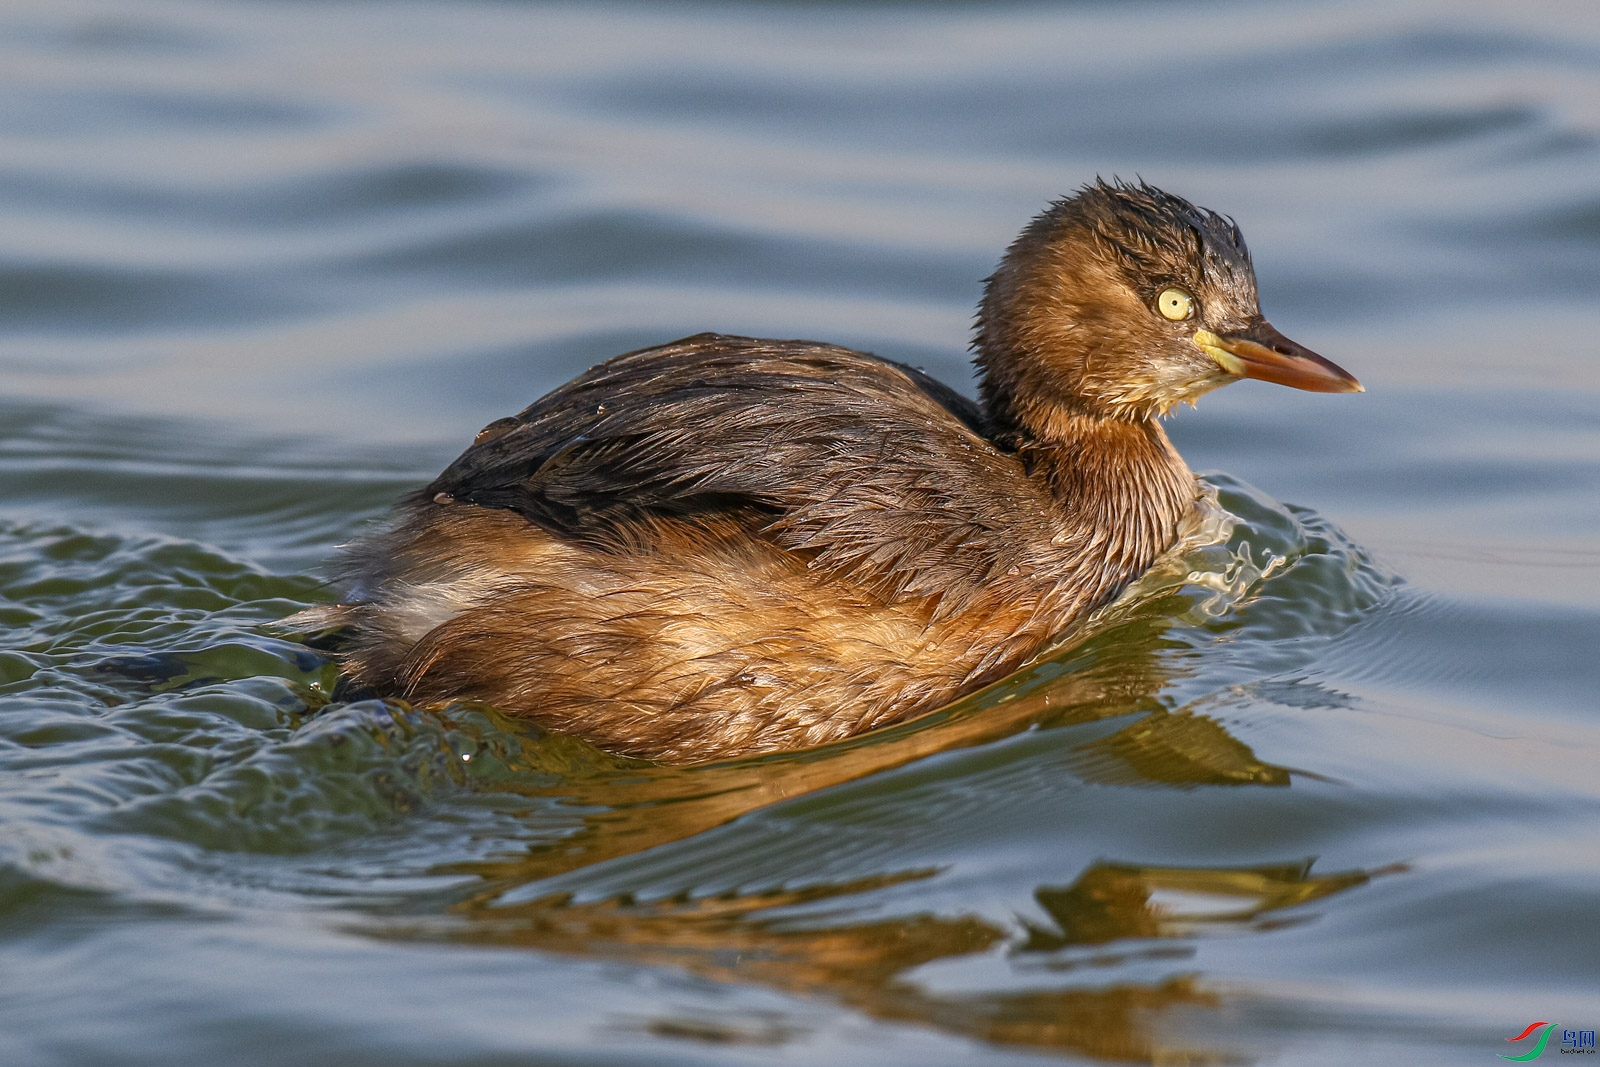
x,y
726,545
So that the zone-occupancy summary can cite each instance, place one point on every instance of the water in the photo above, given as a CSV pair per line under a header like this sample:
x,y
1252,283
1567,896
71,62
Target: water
x,y
1322,790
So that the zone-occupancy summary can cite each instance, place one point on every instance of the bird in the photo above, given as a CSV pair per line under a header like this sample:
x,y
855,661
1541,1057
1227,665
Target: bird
x,y
726,546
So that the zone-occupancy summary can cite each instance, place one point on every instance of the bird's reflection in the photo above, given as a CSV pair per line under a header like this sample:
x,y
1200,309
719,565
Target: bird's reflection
x,y
793,940
764,939
1114,673
1111,902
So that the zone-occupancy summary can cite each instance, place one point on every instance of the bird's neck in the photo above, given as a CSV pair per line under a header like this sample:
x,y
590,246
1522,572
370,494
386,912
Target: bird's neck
x,y
1120,487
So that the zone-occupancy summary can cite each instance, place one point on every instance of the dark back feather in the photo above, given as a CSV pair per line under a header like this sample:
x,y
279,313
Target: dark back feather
x,y
864,466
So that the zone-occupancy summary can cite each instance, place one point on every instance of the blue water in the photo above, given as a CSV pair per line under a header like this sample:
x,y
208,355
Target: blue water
x,y
1323,789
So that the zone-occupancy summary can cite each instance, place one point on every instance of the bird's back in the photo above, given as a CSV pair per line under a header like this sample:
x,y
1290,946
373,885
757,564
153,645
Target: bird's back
x,y
871,469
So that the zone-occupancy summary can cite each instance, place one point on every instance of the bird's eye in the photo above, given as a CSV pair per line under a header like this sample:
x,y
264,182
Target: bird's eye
x,y
1175,304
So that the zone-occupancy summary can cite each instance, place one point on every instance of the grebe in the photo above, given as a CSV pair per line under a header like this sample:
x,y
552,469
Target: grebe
x,y
725,545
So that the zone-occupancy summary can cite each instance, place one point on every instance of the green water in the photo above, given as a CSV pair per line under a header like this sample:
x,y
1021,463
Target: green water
x,y
1321,789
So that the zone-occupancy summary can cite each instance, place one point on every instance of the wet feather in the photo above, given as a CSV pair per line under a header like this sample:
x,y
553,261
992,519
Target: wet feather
x,y
726,545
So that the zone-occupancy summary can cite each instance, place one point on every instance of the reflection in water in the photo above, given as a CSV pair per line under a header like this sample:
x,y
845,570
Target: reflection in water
x,y
1113,668
1111,672
1111,901
1104,966
762,938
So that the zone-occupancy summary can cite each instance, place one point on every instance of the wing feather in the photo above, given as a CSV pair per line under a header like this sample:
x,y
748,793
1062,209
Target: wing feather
x,y
865,466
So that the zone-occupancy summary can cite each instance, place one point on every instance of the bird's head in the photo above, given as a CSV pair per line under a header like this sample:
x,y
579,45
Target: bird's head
x,y
1123,301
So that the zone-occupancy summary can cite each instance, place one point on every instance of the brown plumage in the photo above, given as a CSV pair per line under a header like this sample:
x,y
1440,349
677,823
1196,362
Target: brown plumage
x,y
726,545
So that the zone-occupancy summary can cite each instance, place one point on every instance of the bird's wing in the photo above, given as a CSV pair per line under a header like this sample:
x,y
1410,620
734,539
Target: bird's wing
x,y
862,465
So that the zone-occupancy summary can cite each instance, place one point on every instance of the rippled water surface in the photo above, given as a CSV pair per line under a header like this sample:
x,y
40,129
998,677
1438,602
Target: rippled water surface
x,y
1323,789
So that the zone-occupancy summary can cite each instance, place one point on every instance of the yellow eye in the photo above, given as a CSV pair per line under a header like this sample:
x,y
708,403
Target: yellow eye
x,y
1175,304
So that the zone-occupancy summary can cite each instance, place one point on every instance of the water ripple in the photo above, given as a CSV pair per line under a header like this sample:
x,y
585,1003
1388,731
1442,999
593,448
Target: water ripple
x,y
1327,772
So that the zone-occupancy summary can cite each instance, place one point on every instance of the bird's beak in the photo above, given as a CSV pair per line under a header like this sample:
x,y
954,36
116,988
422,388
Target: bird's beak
x,y
1259,351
